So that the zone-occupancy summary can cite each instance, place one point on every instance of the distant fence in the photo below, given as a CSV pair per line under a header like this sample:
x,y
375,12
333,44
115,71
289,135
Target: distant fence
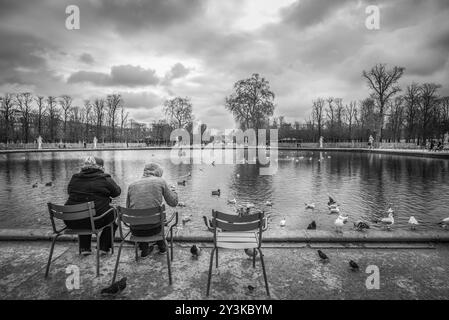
x,y
383,145
31,146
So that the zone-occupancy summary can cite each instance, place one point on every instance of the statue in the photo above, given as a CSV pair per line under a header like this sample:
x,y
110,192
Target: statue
x,y
321,141
95,142
39,142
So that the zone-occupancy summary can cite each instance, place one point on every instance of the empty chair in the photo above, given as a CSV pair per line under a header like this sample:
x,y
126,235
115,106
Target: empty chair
x,y
136,217
237,232
77,212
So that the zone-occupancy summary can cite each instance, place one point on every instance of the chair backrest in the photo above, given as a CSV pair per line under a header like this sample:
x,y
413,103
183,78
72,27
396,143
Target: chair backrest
x,y
136,217
235,223
72,212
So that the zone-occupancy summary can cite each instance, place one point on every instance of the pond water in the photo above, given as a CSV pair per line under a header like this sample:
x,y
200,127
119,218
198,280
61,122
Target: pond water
x,y
362,183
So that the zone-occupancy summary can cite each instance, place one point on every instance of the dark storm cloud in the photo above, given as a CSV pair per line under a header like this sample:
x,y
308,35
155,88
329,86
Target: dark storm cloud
x,y
124,75
87,58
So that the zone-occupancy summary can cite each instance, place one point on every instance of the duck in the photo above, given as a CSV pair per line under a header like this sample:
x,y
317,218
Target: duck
x,y
216,192
413,222
181,204
195,251
114,288
323,256
251,253
354,266
49,184
182,183
340,222
389,221
269,203
232,201
35,185
331,201
310,205
283,222
361,225
213,163
312,226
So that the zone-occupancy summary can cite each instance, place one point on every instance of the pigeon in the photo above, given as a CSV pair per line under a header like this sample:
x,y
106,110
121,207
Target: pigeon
x,y
413,222
195,251
250,252
283,222
311,226
114,288
361,225
268,203
49,184
182,183
216,192
322,256
310,206
354,266
251,288
331,201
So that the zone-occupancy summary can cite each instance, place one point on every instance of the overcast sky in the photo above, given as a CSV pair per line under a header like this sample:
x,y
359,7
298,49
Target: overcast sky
x,y
152,50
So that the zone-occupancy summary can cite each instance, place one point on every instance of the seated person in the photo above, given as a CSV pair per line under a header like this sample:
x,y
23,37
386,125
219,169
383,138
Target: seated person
x,y
93,184
149,192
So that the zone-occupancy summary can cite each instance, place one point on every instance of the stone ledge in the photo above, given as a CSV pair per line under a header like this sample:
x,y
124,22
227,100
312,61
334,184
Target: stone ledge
x,y
308,236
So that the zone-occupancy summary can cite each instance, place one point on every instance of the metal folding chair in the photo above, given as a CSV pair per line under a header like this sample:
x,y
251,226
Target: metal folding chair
x,y
77,212
136,217
237,232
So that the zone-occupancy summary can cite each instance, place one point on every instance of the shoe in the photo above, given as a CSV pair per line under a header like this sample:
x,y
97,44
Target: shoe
x,y
146,252
85,252
163,251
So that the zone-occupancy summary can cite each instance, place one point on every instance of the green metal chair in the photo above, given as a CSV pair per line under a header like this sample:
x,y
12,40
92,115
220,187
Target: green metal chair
x,y
136,217
77,212
237,232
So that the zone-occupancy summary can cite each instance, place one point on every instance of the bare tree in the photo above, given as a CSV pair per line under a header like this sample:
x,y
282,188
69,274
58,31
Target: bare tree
x,y
383,83
87,117
428,102
412,97
53,115
123,118
351,115
7,110
23,101
66,103
317,114
40,113
114,102
178,111
99,114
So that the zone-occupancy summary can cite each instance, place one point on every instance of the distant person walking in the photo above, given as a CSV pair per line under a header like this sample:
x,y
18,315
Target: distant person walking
x,y
370,142
150,192
93,184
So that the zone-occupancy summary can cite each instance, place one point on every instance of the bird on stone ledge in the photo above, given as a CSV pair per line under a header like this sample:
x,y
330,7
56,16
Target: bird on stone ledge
x,y
114,288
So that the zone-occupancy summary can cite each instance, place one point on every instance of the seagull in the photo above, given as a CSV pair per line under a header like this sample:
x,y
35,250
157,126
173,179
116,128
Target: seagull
x,y
282,224
114,288
323,256
354,266
312,226
251,252
195,251
445,222
310,205
216,193
389,221
340,222
232,201
269,203
361,225
413,222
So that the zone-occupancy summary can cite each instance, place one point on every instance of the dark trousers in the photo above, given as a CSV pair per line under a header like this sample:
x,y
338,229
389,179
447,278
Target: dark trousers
x,y
146,231
106,239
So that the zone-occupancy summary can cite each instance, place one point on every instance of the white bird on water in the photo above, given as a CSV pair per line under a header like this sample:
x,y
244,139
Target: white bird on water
x,y
413,222
310,206
268,203
333,208
283,222
389,221
340,222
445,222
232,201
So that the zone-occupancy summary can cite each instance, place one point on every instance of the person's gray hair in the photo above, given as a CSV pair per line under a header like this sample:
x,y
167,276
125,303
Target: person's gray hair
x,y
153,169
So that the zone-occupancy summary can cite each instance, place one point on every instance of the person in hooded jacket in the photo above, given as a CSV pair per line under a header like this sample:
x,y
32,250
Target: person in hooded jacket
x,y
93,184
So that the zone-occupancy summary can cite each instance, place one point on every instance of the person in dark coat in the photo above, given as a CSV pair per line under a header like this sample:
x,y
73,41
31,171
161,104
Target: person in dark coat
x,y
93,184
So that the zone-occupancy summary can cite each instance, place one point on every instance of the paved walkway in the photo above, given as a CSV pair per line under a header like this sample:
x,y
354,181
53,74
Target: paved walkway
x,y
407,271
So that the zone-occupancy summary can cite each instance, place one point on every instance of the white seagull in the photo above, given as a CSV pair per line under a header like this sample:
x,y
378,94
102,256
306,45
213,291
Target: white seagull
x,y
310,205
389,221
413,222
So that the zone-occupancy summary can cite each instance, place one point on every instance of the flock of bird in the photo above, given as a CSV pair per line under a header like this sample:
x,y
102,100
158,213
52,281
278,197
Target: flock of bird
x,y
48,184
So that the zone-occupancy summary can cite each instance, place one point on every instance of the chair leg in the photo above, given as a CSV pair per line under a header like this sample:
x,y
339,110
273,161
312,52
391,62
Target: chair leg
x,y
210,270
98,253
53,242
169,266
171,243
118,261
216,259
254,258
135,251
264,273
112,238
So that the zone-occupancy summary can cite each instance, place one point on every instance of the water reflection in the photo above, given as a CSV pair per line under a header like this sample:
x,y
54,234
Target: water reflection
x,y
363,184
